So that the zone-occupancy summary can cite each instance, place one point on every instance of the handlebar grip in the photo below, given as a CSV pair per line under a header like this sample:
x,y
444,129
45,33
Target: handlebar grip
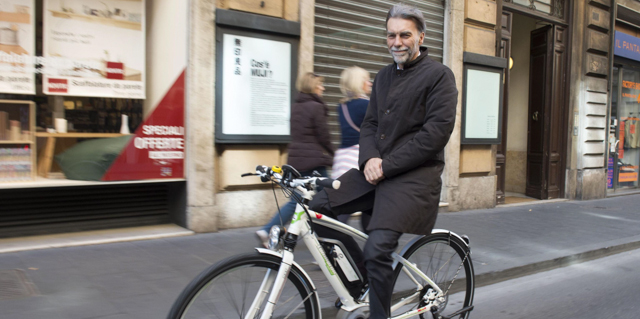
x,y
328,183
264,172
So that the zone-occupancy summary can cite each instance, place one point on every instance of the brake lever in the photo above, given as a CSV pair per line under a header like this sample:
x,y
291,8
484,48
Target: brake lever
x,y
249,174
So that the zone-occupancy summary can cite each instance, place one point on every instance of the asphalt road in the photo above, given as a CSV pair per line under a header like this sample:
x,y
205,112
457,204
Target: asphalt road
x,y
604,288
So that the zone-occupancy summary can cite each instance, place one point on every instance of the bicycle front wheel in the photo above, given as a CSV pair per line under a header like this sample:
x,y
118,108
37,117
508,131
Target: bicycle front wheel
x,y
239,287
446,260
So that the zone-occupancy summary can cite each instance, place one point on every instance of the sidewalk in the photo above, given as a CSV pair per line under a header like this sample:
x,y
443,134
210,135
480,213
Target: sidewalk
x,y
141,279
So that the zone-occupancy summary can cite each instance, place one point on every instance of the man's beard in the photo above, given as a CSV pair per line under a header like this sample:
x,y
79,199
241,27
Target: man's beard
x,y
402,58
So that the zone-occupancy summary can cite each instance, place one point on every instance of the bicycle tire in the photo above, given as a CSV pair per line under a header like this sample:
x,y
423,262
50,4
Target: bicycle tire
x,y
189,298
442,251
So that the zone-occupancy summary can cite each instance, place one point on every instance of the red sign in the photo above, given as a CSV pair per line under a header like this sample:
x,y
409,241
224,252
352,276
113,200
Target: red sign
x,y
157,149
57,85
115,70
621,141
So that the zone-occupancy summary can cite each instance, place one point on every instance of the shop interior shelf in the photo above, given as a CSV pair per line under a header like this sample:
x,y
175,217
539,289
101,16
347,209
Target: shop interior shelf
x,y
16,142
15,110
79,135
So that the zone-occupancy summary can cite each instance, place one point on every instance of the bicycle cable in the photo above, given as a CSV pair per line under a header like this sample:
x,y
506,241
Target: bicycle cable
x,y
273,187
292,194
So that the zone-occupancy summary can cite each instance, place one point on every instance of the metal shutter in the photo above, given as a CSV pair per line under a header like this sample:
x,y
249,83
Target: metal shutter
x,y
37,211
352,32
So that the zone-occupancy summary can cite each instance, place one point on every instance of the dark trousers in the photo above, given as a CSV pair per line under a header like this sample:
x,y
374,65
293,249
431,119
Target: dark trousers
x,y
377,257
377,251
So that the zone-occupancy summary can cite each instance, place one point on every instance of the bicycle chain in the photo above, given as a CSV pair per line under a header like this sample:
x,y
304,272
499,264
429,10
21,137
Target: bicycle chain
x,y
457,272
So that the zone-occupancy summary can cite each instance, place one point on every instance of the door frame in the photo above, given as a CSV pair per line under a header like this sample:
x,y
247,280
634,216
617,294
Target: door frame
x,y
501,151
565,129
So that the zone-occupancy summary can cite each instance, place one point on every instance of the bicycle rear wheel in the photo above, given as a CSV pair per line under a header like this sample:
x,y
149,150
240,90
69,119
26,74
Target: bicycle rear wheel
x,y
447,261
232,287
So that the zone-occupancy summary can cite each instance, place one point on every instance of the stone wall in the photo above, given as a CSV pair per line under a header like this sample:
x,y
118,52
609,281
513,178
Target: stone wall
x,y
199,118
476,163
589,99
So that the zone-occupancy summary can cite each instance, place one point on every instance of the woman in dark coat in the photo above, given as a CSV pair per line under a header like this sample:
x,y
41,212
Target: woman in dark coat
x,y
310,149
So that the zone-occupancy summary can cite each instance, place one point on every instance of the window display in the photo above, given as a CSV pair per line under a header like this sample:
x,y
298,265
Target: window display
x,y
81,68
17,157
624,161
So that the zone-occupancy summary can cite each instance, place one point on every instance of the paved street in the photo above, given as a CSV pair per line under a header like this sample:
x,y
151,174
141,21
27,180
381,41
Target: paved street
x,y
141,279
600,289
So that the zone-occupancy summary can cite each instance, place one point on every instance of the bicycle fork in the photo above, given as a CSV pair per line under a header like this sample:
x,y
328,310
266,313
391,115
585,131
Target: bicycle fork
x,y
272,284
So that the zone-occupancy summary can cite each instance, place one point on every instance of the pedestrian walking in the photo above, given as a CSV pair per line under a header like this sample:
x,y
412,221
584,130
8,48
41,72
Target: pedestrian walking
x,y
409,120
355,85
310,148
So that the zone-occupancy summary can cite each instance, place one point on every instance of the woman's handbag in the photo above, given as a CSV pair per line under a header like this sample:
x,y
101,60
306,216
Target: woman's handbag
x,y
344,160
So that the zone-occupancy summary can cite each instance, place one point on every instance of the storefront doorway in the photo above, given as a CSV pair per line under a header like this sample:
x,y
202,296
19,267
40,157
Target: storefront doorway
x,y
530,161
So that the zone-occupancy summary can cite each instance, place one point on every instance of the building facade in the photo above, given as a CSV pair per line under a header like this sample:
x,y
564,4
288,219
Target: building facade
x,y
555,57
551,123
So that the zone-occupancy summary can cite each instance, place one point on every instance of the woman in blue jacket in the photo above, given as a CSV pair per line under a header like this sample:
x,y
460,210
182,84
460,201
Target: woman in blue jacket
x,y
355,84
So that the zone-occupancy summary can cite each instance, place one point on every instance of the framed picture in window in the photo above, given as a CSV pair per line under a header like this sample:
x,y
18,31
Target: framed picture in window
x,y
482,99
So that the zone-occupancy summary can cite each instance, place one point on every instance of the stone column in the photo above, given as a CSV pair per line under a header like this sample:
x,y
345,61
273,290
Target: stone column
x,y
473,185
307,20
454,47
199,117
586,170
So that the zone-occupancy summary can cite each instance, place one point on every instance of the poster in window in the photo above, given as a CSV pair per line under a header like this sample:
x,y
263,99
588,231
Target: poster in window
x,y
17,47
94,48
256,96
482,105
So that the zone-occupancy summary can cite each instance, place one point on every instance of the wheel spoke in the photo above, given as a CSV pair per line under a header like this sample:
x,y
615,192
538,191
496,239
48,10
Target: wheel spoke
x,y
239,290
442,259
298,305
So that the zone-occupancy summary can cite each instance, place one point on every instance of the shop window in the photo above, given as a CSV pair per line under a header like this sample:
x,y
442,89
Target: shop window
x,y
624,160
84,65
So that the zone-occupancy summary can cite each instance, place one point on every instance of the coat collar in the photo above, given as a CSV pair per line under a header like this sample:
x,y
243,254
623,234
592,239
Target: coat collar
x,y
408,65
306,97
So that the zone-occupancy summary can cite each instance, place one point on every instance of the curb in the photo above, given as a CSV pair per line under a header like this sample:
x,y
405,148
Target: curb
x,y
98,237
542,266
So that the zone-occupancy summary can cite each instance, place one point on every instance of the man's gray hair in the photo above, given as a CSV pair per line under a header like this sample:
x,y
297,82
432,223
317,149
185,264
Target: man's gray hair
x,y
407,12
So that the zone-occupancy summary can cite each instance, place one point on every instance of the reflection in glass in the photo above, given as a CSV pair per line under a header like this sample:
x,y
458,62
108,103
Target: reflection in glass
x,y
625,108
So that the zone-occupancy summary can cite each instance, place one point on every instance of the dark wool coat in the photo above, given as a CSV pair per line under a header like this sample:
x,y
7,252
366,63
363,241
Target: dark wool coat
x,y
409,121
310,140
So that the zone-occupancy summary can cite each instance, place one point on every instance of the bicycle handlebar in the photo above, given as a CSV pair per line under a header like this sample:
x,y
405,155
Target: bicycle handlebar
x,y
329,183
309,182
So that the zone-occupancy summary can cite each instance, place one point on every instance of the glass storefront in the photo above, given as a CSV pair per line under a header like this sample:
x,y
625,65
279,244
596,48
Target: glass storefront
x,y
89,91
624,129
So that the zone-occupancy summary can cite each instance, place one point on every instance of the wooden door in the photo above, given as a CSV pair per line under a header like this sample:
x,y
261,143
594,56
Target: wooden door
x,y
501,154
545,148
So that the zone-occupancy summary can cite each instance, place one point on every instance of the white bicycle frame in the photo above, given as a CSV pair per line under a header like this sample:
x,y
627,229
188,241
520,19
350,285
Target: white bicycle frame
x,y
300,227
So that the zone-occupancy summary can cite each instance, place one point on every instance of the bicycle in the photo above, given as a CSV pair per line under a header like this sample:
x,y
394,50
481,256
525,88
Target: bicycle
x,y
270,284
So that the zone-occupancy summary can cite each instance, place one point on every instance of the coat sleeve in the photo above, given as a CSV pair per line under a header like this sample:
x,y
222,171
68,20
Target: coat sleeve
x,y
322,129
368,129
435,132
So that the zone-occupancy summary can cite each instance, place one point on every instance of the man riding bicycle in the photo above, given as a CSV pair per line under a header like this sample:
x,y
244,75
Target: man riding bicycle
x,y
409,120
